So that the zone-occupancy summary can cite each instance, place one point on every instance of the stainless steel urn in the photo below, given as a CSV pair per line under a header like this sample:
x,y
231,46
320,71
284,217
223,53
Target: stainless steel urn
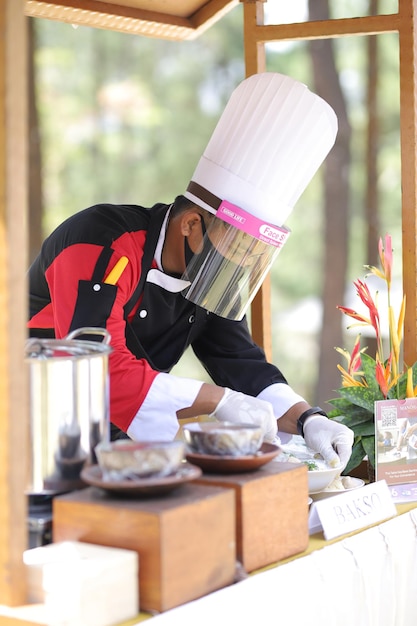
x,y
69,407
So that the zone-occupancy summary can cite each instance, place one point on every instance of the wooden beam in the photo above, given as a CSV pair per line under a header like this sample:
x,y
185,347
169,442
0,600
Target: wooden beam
x,y
14,422
110,16
371,25
135,21
210,13
408,121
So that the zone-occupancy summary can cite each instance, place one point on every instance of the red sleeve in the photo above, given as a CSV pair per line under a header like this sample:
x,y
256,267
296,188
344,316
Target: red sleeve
x,y
130,378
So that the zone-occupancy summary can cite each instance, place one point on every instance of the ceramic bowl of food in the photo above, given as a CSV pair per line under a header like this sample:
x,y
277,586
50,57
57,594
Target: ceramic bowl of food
x,y
124,459
320,475
223,438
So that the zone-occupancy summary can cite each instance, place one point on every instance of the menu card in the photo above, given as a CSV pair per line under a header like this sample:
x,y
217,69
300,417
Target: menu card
x,y
396,447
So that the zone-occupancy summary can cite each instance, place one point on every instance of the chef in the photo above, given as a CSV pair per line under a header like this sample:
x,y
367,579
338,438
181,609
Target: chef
x,y
163,278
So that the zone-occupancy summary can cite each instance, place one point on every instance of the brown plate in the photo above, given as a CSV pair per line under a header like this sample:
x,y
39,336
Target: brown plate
x,y
92,475
215,464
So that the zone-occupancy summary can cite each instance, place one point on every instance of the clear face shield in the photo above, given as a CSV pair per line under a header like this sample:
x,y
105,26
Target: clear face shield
x,y
226,275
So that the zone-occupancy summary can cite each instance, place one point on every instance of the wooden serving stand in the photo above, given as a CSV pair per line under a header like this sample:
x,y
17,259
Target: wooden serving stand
x,y
189,540
271,511
185,540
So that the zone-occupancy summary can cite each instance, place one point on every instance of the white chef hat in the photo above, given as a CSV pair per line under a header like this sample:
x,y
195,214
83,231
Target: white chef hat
x,y
269,142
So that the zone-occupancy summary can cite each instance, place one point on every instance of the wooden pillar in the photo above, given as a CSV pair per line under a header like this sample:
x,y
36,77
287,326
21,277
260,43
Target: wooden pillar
x,y
14,429
253,16
255,62
408,121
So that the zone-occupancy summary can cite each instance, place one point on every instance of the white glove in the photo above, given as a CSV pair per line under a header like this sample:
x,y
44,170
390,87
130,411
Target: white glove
x,y
332,440
238,407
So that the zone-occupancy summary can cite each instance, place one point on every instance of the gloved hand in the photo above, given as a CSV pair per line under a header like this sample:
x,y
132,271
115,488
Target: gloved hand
x,y
332,440
238,407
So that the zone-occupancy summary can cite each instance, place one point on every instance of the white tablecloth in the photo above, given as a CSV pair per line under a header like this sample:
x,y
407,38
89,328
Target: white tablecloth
x,y
368,579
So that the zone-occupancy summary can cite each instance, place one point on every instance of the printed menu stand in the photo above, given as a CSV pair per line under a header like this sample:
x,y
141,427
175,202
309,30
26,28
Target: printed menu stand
x,y
396,447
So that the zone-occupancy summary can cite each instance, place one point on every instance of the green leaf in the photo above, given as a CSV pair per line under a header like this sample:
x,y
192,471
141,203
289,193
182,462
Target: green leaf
x,y
414,368
345,407
356,458
361,396
364,430
369,447
355,419
341,405
399,391
368,365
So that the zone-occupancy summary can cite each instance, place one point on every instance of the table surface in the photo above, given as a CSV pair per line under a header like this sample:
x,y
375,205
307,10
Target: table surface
x,y
385,559
316,542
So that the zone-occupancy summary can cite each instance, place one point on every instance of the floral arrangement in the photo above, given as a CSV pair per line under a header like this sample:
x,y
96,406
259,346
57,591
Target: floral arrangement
x,y
365,379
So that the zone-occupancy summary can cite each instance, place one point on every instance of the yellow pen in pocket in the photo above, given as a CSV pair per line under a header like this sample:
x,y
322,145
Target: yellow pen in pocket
x,y
114,274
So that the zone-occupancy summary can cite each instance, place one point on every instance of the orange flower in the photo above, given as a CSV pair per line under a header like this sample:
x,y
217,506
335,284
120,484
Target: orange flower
x,y
385,255
383,375
400,324
355,359
348,380
352,376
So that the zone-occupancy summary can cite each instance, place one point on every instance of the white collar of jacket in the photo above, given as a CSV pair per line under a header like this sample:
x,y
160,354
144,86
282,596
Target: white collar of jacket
x,y
158,276
169,283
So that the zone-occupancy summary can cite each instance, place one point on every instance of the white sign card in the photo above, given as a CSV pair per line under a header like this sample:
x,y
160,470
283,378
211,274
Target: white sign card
x,y
352,510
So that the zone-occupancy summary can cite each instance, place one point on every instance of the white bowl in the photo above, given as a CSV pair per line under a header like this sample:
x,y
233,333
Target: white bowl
x,y
355,483
125,458
223,438
319,479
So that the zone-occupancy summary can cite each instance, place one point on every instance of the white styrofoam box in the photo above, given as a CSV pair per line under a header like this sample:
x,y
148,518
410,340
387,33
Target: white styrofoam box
x,y
83,584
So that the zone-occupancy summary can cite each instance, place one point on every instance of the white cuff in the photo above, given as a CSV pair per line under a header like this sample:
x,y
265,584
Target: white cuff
x,y
281,396
156,419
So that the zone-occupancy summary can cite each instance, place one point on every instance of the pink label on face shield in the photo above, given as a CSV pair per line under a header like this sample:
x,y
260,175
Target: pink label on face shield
x,y
270,234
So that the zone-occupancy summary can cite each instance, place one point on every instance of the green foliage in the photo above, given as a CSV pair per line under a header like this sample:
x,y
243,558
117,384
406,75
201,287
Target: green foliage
x,y
399,390
357,456
353,416
364,445
355,408
362,397
369,447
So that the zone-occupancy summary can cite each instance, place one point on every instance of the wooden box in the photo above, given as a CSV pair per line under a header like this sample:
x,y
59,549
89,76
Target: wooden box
x,y
271,512
185,540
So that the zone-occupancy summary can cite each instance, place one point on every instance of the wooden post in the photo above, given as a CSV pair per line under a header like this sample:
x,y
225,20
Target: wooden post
x,y
255,62
14,429
408,122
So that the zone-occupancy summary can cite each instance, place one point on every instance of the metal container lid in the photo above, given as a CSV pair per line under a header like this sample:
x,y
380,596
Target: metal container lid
x,y
68,347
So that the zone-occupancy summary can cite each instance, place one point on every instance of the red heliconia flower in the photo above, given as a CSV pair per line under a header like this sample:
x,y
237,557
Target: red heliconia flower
x,y
356,316
363,292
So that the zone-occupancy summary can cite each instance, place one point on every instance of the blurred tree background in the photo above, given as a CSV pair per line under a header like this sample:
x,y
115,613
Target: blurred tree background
x,y
124,119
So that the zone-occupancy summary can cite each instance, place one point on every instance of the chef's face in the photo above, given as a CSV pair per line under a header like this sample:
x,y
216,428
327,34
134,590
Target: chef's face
x,y
226,266
233,244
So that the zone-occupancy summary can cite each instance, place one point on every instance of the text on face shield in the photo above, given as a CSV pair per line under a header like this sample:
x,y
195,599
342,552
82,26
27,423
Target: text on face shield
x,y
273,233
